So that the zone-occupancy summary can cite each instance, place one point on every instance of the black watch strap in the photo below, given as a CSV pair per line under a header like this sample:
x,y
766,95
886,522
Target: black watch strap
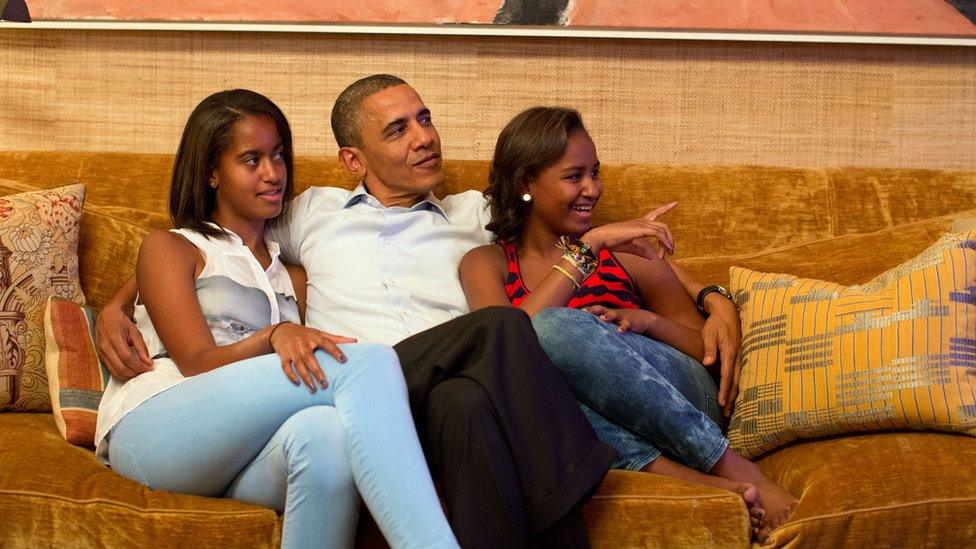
x,y
714,288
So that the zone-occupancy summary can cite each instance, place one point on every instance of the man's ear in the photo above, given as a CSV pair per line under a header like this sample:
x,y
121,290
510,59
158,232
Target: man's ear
x,y
351,159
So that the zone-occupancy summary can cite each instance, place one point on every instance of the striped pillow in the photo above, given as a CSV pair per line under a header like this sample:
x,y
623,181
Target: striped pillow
x,y
76,379
898,352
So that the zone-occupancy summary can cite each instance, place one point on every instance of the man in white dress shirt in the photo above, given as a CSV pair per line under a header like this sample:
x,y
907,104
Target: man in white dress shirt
x,y
515,456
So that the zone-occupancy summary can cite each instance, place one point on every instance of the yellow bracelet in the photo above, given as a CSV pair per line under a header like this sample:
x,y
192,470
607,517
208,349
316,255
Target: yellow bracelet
x,y
569,276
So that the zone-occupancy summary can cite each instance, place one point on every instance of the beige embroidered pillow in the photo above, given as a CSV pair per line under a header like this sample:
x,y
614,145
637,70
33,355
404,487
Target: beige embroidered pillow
x,y
896,353
38,258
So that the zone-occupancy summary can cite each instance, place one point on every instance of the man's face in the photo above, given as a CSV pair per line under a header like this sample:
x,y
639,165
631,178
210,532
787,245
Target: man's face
x,y
401,151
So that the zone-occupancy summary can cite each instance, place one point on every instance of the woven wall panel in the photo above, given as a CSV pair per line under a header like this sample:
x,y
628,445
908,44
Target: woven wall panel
x,y
646,101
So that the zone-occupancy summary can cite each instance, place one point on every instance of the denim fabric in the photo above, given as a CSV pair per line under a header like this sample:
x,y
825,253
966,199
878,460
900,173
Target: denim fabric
x,y
633,452
244,431
663,398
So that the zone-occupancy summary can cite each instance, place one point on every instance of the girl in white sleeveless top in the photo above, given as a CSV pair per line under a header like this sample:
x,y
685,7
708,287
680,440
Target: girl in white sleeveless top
x,y
243,401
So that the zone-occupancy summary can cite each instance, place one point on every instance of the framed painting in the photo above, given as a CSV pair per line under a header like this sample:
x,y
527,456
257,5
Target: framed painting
x,y
896,21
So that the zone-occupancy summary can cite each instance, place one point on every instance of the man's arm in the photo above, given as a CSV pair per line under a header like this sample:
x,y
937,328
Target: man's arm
x,y
120,344
721,334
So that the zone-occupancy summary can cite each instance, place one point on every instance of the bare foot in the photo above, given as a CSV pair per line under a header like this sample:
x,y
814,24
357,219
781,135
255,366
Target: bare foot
x,y
780,504
750,493
777,501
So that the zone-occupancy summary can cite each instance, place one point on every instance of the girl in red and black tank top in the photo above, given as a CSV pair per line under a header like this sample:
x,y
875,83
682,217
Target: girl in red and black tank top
x,y
610,285
543,184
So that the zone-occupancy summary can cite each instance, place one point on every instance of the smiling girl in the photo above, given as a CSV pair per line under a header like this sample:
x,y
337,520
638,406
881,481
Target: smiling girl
x,y
609,310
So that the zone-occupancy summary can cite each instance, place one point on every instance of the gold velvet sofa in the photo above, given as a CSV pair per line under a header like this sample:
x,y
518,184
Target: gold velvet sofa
x,y
908,489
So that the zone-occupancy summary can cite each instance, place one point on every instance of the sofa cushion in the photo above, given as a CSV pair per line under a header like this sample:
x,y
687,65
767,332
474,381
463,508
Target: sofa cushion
x,y
634,509
38,258
75,377
894,489
895,353
52,491
58,493
109,246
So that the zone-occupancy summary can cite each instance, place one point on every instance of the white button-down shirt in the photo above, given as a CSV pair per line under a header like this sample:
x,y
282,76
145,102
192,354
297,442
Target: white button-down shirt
x,y
376,273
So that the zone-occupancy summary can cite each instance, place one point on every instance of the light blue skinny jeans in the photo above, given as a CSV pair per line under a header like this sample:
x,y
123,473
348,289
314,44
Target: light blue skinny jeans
x,y
640,395
244,431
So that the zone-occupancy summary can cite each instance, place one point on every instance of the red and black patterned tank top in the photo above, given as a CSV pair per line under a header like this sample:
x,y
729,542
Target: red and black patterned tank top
x,y
609,286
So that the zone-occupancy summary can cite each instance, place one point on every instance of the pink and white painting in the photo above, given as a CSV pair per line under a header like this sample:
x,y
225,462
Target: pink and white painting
x,y
886,17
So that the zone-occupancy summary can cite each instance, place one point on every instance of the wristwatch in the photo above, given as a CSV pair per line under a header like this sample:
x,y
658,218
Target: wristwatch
x,y
714,288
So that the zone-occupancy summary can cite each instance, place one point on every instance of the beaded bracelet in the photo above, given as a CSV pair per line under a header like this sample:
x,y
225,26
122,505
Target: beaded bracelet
x,y
578,253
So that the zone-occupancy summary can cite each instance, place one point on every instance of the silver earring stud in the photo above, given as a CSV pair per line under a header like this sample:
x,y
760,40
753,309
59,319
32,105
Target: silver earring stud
x,y
526,197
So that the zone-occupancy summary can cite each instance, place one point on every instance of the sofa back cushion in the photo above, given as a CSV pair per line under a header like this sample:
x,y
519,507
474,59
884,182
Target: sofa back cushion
x,y
722,210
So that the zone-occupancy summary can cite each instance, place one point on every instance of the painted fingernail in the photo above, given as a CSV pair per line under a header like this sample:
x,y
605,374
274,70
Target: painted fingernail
x,y
323,383
342,359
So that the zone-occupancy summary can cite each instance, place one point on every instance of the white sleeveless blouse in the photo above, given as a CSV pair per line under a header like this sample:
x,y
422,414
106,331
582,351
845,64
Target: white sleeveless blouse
x,y
237,296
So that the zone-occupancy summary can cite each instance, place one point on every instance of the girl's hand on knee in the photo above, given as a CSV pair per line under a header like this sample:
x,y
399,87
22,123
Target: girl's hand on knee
x,y
627,320
296,345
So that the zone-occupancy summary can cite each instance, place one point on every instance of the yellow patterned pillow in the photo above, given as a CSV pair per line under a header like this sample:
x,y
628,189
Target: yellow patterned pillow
x,y
898,352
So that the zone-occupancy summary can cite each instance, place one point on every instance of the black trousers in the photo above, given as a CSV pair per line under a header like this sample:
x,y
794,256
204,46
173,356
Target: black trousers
x,y
503,433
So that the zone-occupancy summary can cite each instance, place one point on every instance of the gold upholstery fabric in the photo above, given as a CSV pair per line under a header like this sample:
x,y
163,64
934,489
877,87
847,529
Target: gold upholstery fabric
x,y
634,509
905,489
57,495
853,490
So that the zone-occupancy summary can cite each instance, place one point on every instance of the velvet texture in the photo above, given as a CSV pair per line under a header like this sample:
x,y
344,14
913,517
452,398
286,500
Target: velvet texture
x,y
914,488
55,494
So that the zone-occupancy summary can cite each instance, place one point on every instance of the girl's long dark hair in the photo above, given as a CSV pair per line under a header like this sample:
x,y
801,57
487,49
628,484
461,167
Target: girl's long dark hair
x,y
208,134
532,141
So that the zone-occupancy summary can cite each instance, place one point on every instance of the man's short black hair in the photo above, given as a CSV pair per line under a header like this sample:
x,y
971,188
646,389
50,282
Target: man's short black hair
x,y
348,107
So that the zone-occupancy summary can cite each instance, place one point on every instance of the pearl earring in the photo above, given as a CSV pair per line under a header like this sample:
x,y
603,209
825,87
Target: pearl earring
x,y
213,183
526,197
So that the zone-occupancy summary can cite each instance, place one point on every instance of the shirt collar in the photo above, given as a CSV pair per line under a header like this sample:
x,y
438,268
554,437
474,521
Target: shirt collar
x,y
361,195
273,248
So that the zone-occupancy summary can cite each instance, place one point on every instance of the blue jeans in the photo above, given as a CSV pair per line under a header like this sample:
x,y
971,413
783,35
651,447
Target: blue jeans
x,y
244,431
640,395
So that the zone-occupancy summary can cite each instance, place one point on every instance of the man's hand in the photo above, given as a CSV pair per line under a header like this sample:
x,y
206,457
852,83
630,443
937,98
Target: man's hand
x,y
722,336
120,345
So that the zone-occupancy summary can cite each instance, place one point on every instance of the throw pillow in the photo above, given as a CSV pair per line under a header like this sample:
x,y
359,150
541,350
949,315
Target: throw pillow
x,y
76,379
38,258
963,224
895,353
